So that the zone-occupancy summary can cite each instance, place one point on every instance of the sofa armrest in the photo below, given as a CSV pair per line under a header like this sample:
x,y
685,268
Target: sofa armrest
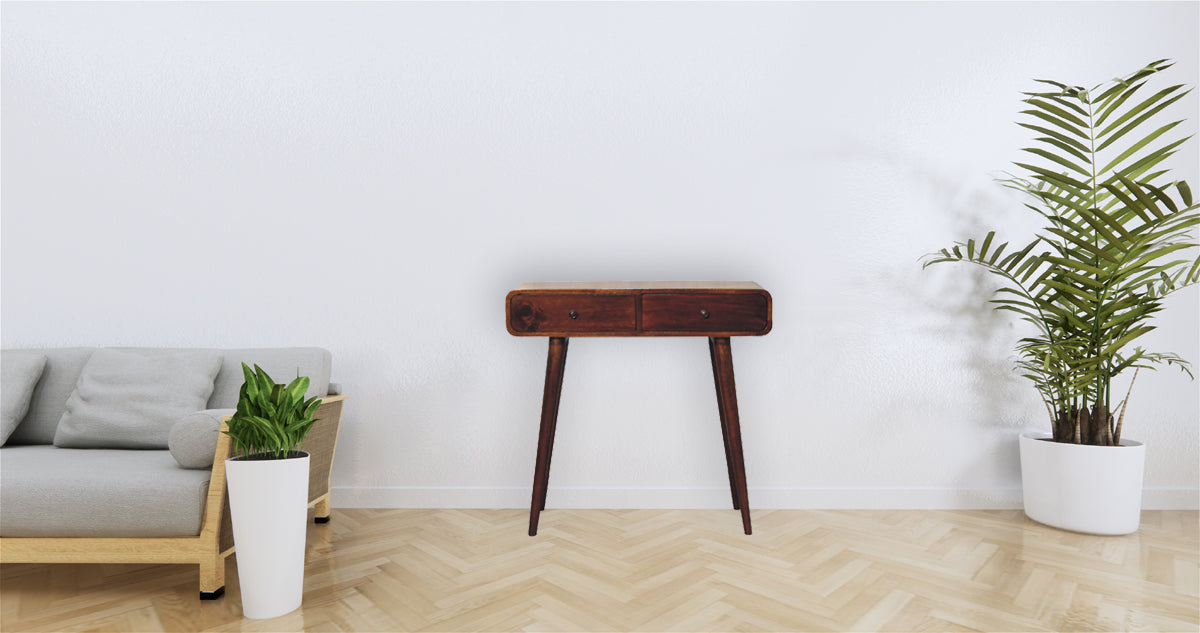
x,y
321,444
216,530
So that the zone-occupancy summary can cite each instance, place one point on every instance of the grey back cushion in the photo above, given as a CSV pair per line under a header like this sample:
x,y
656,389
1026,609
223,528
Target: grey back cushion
x,y
63,366
19,374
128,399
280,363
49,400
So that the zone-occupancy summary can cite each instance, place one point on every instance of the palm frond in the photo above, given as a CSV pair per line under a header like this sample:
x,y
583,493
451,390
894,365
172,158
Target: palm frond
x,y
1117,239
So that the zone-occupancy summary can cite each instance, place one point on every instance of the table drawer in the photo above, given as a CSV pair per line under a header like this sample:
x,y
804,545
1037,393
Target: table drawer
x,y
571,313
740,312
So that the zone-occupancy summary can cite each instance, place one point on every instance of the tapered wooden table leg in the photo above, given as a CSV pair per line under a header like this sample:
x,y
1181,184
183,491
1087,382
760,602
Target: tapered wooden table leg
x,y
727,400
562,363
556,361
712,356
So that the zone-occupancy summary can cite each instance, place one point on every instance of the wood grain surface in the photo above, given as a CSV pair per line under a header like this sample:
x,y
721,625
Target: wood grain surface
x,y
638,308
657,570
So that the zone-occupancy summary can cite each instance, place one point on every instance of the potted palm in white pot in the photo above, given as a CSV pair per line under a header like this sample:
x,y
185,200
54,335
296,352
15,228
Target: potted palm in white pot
x,y
1119,237
268,491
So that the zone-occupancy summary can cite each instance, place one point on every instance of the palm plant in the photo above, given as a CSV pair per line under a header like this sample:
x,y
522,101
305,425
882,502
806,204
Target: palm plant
x,y
272,419
1118,240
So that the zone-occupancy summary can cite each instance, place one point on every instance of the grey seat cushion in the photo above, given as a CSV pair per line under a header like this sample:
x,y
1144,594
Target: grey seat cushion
x,y
68,492
129,399
19,374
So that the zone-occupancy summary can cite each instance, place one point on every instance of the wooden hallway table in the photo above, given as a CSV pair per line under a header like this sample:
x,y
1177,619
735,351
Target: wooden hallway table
x,y
713,309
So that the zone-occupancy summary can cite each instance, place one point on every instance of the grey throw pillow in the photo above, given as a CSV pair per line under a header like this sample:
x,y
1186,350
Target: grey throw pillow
x,y
19,374
129,400
193,439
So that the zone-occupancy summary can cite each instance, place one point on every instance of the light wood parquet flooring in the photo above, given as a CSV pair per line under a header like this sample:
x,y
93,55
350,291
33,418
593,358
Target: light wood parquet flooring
x,y
676,570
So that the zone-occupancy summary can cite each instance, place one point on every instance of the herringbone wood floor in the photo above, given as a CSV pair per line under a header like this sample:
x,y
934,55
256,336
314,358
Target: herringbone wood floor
x,y
605,570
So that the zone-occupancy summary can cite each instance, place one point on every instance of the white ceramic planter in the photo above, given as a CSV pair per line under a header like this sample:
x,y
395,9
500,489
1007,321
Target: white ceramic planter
x,y
1092,489
268,500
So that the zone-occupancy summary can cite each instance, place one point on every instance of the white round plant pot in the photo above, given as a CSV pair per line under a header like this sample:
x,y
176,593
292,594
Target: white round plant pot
x,y
1092,489
268,502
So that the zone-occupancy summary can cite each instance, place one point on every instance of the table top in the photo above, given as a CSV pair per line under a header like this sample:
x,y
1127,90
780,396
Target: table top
x,y
643,286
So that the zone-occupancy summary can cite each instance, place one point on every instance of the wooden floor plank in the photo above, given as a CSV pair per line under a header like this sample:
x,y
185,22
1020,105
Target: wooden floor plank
x,y
676,570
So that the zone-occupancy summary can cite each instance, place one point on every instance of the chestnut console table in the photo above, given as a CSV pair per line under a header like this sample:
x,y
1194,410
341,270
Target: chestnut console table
x,y
713,309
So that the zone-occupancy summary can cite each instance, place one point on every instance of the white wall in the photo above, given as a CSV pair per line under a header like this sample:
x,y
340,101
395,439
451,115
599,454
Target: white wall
x,y
374,178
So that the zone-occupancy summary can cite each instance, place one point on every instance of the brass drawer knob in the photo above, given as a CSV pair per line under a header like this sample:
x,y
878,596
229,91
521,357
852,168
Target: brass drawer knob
x,y
573,314
703,313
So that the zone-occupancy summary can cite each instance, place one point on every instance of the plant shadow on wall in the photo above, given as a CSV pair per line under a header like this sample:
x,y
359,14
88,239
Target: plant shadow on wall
x,y
1117,238
960,299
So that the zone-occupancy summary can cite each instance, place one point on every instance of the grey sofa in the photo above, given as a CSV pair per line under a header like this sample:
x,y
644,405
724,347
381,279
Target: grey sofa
x,y
77,486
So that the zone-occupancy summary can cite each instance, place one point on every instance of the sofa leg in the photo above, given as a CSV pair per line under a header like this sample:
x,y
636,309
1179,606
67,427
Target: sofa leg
x,y
322,511
212,578
212,595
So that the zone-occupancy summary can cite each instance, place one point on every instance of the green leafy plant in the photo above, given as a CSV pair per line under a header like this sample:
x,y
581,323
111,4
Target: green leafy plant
x,y
1118,239
272,419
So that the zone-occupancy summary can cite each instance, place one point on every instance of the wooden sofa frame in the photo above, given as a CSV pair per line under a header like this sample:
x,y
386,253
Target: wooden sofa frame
x,y
215,542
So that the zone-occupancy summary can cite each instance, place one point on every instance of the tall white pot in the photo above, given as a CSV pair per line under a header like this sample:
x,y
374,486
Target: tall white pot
x,y
1092,489
268,500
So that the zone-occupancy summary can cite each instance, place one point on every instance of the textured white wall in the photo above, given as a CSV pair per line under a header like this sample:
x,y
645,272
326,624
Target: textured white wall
x,y
373,178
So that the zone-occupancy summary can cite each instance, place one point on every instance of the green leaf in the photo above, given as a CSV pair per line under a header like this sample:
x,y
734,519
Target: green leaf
x,y
1121,319
1146,201
1013,260
1104,225
1027,269
1185,192
1083,280
1128,202
1133,149
1138,109
1078,205
1084,244
1052,108
1128,338
987,241
1132,125
1032,315
297,389
1162,197
1078,149
1061,180
1058,159
1058,123
250,387
1112,100
996,254
1072,264
1157,253
1056,84
1145,163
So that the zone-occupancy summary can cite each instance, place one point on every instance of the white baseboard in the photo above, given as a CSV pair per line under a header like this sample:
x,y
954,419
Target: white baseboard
x,y
718,498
